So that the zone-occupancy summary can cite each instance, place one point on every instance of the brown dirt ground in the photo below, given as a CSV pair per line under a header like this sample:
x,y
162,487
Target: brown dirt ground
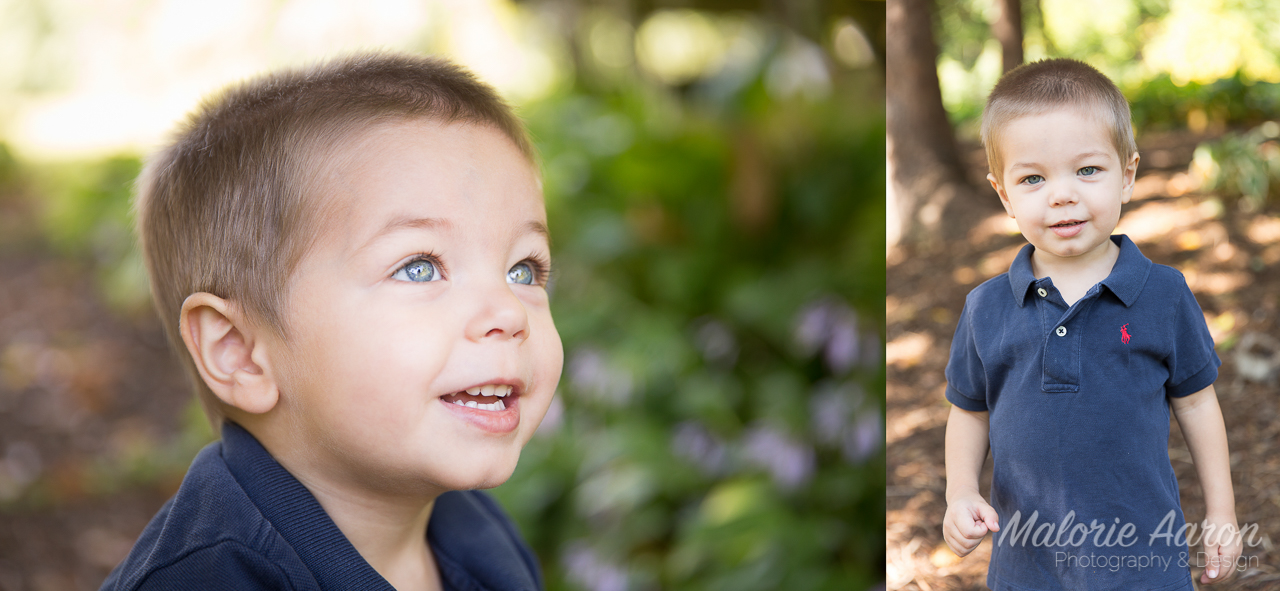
x,y
1230,258
91,407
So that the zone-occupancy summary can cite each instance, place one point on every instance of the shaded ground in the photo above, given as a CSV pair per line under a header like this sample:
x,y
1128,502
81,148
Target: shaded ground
x,y
92,415
1230,260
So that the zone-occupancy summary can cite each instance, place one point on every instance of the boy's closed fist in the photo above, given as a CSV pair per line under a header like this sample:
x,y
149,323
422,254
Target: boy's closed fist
x,y
1222,547
967,521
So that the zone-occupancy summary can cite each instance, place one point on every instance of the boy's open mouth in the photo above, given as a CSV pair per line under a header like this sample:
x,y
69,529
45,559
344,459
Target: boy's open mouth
x,y
487,397
1068,228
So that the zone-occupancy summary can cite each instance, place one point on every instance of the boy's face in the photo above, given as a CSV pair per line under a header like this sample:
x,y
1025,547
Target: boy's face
x,y
428,280
1063,182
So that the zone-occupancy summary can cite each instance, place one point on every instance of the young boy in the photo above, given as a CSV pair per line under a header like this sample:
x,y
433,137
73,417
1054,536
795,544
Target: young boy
x,y
1067,365
352,259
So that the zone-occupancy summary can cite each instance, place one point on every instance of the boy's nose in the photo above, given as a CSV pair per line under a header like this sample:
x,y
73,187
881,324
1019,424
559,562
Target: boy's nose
x,y
1063,195
499,315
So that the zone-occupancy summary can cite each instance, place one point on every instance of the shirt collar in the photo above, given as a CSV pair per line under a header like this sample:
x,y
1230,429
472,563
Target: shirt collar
x,y
1127,278
476,546
296,515
472,549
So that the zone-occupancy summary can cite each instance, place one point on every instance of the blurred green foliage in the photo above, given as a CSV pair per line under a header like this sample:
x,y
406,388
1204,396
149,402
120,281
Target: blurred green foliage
x,y
719,289
1244,166
85,214
718,286
1159,104
1190,64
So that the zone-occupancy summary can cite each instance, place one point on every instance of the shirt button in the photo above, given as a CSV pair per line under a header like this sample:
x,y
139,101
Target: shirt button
x,y
1062,331
1042,292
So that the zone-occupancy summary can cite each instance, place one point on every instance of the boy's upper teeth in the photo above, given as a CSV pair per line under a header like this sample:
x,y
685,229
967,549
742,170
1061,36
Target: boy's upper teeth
x,y
499,390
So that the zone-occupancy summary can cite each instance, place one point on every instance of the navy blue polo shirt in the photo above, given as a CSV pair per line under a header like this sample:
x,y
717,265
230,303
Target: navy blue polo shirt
x,y
240,521
1077,398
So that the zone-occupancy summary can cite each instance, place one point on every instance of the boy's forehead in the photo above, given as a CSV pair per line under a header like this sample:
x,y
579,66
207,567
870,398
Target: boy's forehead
x,y
419,173
342,151
1066,116
1052,121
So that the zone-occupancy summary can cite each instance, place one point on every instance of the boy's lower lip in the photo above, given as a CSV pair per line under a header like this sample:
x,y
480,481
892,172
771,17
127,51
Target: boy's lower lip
x,y
492,421
1068,231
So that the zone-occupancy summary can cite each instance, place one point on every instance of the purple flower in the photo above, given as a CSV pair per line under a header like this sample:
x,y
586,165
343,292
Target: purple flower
x,y
584,567
830,326
791,463
813,327
694,443
842,343
716,342
591,374
831,410
865,438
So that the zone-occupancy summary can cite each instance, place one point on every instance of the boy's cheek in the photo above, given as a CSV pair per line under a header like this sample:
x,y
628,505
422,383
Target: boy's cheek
x,y
553,359
1007,204
550,362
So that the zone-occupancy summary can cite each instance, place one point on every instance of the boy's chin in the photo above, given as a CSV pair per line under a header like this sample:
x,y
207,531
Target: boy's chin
x,y
480,472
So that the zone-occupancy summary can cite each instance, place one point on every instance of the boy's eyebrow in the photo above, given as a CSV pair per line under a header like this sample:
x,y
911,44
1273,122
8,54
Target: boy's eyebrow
x,y
538,227
1093,153
406,222
1089,154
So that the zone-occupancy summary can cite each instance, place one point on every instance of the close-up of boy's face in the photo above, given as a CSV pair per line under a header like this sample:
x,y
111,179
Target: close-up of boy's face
x,y
1063,181
427,283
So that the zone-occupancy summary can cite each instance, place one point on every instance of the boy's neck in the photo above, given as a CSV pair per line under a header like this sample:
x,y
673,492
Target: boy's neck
x,y
1074,276
389,531
391,536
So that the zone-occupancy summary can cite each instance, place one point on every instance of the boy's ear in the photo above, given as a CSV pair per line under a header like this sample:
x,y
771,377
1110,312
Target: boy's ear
x,y
1130,179
1004,199
229,358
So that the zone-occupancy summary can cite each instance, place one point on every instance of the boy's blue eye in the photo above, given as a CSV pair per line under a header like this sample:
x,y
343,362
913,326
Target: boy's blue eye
x,y
521,273
1032,179
417,271
1089,170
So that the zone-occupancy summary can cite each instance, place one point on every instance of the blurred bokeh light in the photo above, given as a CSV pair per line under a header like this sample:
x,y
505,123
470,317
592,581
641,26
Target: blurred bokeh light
x,y
93,78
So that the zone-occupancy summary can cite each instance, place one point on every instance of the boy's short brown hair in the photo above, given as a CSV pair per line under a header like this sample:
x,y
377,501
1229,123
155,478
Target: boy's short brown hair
x,y
1034,88
227,207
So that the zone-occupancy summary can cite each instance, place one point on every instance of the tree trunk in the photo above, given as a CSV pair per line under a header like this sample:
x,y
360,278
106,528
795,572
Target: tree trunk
x,y
1008,30
925,171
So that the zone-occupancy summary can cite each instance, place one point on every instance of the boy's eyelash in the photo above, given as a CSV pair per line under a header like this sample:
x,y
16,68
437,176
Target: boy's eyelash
x,y
429,257
541,268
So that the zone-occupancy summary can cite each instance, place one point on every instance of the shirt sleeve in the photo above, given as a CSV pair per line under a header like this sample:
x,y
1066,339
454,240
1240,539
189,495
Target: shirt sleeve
x,y
1193,363
966,378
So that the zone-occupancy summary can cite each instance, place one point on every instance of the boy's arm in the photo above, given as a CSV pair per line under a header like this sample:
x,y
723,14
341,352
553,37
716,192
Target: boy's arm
x,y
1200,419
969,517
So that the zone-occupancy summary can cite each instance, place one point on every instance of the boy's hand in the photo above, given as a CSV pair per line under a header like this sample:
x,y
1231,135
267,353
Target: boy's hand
x,y
967,521
1221,549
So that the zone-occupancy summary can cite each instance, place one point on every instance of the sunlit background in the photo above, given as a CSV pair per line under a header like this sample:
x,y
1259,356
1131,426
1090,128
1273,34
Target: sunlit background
x,y
1162,50
93,78
714,185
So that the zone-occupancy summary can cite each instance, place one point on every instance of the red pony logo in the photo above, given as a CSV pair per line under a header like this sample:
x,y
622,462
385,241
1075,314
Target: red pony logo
x,y
1124,334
